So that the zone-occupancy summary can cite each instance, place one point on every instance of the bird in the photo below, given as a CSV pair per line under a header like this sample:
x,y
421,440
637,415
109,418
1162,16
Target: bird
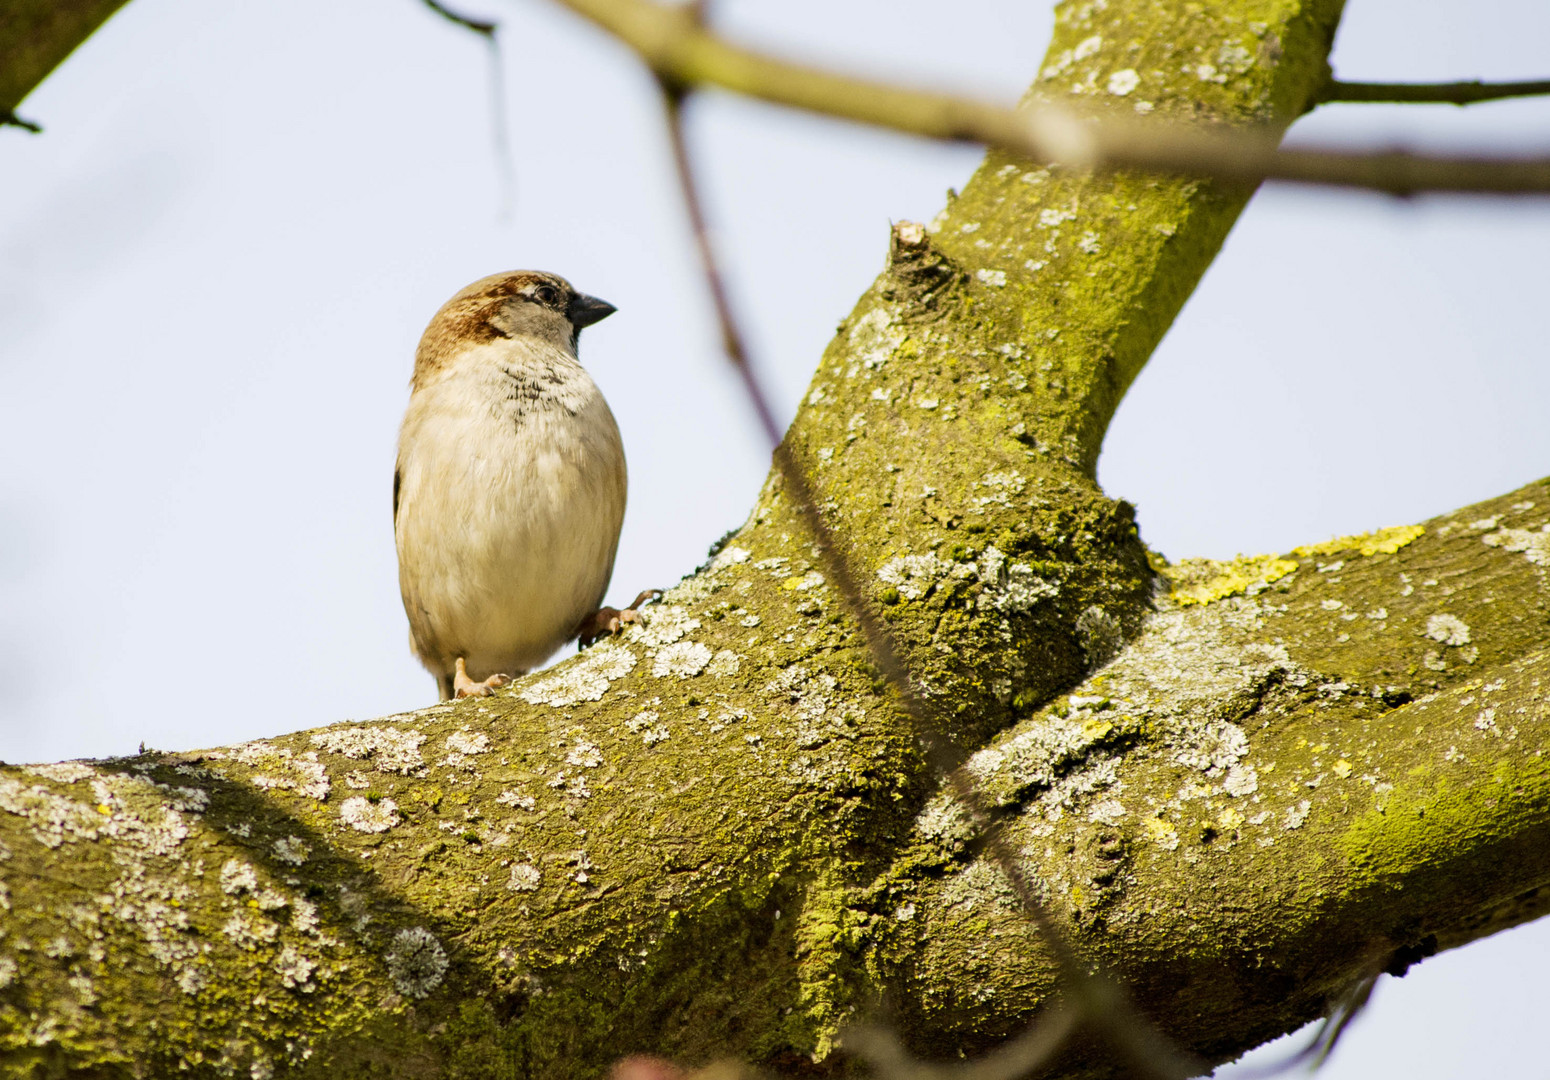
x,y
509,487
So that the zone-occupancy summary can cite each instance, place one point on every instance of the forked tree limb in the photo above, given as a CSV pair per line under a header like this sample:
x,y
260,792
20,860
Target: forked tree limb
x,y
717,836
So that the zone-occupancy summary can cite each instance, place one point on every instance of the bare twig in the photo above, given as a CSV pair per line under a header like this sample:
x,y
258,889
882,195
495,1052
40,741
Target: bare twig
x,y
500,143
881,1049
1317,1050
683,53
1101,1003
10,119
478,26
1452,93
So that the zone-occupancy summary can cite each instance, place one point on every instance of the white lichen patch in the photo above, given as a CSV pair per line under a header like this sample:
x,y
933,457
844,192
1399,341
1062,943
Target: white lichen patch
x,y
389,749
292,850
54,818
1035,756
63,772
873,340
525,877
814,702
587,755
249,933
295,970
1212,747
1240,781
994,278
468,742
725,663
683,659
365,816
1172,688
728,557
945,821
663,626
1123,82
586,678
238,877
277,769
979,886
913,575
1297,815
1107,812
1010,587
1535,546
514,798
416,962
1447,629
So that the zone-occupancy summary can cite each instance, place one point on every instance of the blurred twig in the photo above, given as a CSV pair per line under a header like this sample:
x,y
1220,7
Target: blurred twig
x,y
1318,1048
882,1050
501,143
683,53
1101,1003
1451,93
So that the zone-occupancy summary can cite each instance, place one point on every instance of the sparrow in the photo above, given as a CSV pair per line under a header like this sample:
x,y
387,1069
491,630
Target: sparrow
x,y
509,489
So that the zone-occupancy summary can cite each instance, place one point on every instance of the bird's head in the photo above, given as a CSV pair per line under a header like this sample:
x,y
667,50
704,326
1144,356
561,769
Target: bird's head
x,y
520,304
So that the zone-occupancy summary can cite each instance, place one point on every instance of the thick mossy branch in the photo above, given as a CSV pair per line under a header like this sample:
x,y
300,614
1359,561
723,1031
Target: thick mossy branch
x,y
36,36
715,835
1332,769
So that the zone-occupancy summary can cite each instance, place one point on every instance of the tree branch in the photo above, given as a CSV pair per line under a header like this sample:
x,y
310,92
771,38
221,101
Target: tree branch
x,y
36,36
720,834
1451,93
682,52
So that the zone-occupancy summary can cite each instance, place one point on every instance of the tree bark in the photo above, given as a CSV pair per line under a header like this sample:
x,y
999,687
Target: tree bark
x,y
1241,786
36,36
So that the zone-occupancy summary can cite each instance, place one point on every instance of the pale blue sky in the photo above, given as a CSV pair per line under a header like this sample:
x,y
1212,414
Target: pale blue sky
x,y
215,263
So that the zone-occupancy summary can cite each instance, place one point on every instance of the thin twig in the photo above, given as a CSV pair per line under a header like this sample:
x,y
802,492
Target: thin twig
x,y
1317,1050
500,142
10,119
468,22
881,1049
1451,93
683,53
1100,1002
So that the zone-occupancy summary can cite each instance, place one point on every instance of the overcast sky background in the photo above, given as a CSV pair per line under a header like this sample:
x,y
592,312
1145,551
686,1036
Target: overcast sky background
x,y
216,262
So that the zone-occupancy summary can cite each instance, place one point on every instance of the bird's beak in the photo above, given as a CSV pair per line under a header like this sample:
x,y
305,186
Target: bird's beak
x,y
585,310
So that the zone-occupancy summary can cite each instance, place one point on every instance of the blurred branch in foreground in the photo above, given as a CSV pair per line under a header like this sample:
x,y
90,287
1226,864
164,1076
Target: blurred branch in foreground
x,y
1102,1003
683,53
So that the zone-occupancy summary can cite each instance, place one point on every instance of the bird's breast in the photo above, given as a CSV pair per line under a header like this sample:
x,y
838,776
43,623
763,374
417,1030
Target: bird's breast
x,y
512,492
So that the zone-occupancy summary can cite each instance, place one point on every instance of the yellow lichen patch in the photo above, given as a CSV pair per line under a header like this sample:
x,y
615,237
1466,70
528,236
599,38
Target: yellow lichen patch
x,y
1203,581
1382,542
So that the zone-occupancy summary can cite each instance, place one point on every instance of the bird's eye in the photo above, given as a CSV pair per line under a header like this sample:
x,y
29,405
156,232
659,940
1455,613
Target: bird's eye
x,y
547,295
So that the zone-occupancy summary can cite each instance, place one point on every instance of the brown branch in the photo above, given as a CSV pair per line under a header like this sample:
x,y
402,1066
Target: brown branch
x,y
683,53
1453,93
1102,1003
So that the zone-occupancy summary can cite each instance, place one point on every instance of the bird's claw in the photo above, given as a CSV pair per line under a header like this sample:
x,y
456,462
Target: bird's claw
x,y
607,621
465,687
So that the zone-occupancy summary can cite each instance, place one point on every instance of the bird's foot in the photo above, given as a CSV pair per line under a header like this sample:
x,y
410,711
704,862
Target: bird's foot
x,y
463,686
606,620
